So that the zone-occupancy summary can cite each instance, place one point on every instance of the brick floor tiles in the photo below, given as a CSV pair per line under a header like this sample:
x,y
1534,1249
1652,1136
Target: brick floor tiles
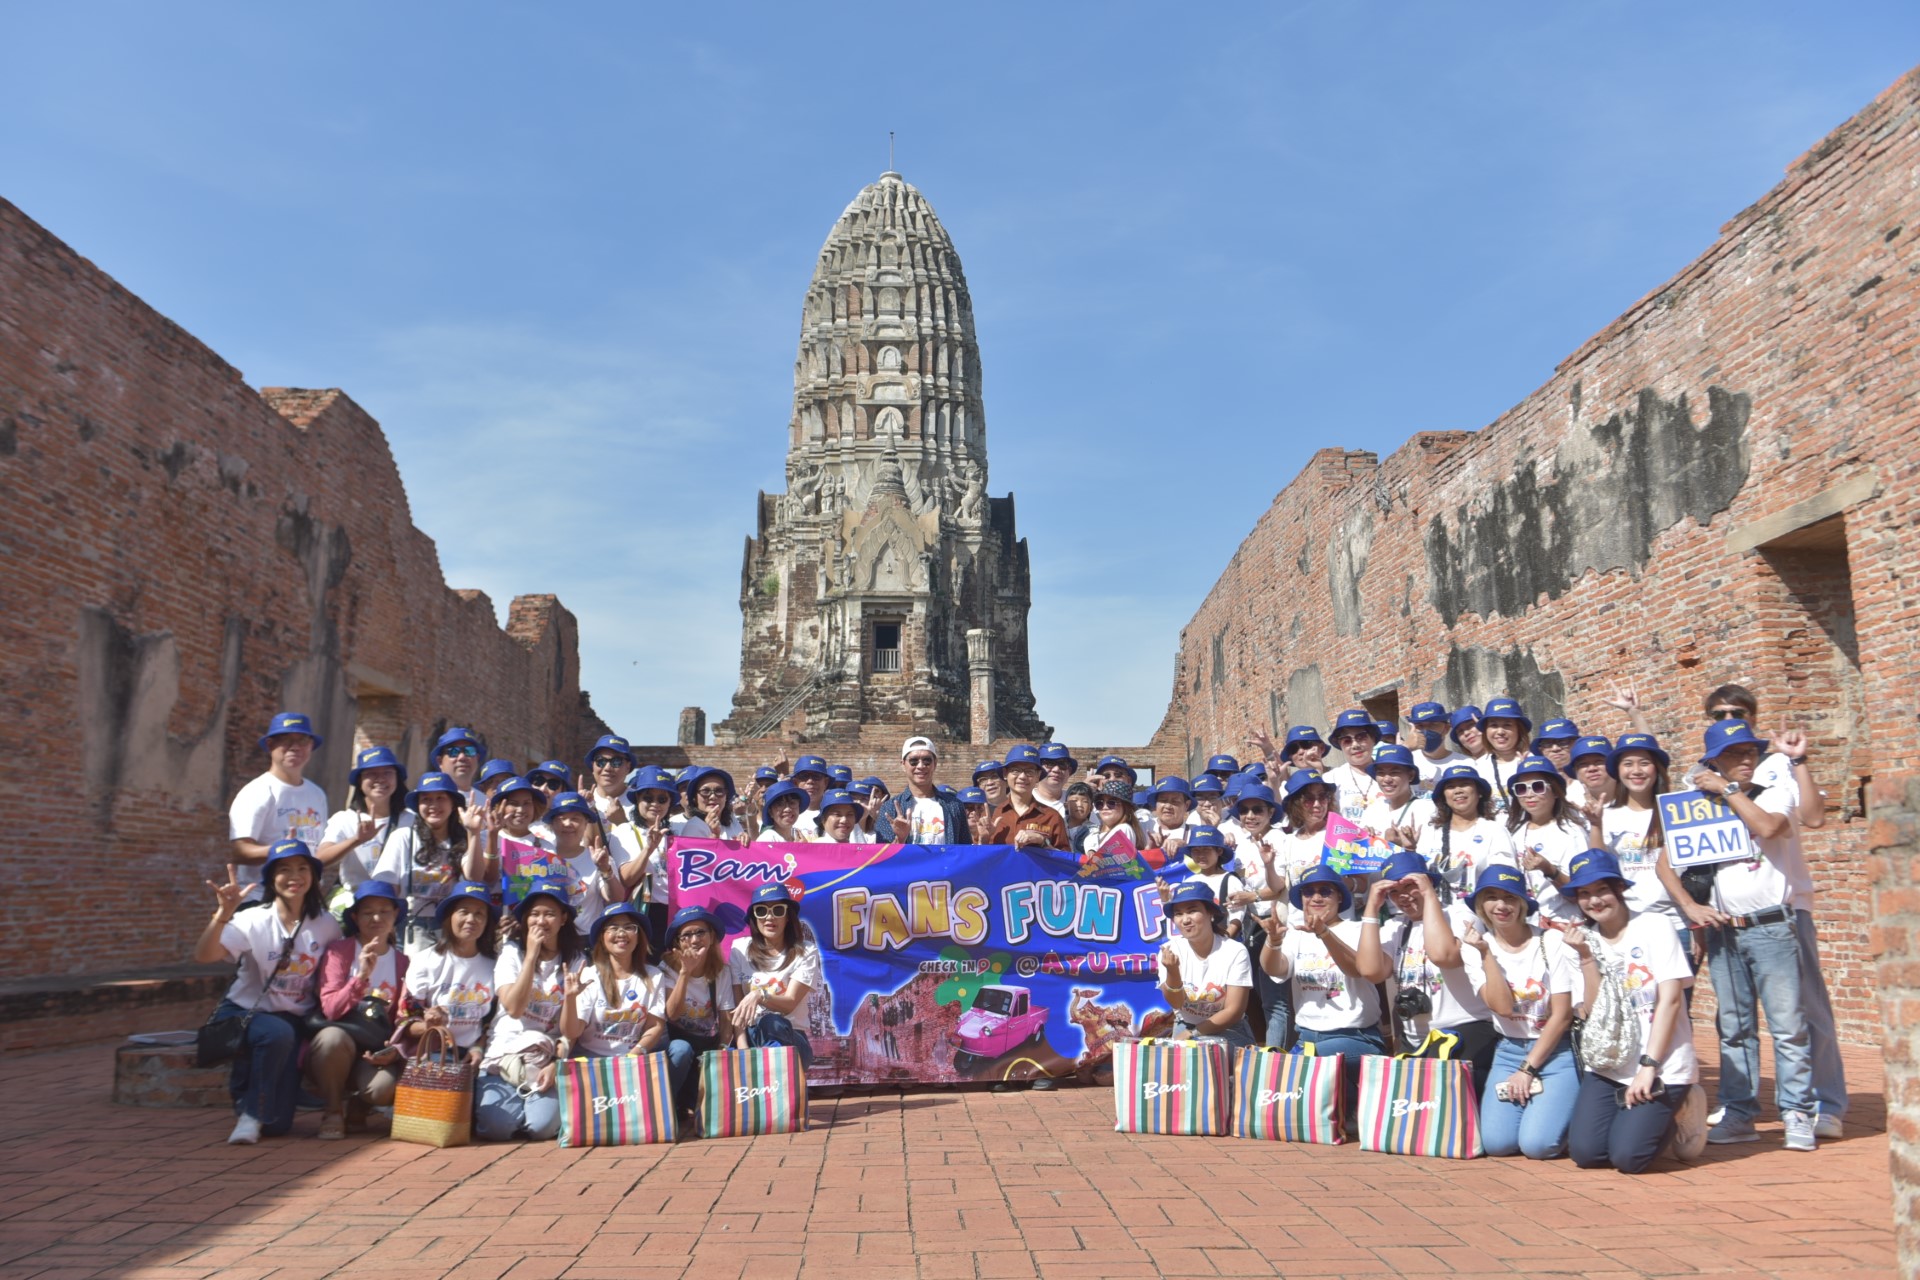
x,y
931,1185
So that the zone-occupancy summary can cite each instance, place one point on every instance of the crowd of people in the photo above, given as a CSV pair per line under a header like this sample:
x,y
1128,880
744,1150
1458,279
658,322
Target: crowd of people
x,y
1528,919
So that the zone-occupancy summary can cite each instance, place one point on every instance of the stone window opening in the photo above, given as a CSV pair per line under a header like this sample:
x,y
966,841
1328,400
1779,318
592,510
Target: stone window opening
x,y
886,647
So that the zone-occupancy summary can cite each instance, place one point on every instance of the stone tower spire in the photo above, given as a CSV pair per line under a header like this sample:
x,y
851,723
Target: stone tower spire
x,y
866,574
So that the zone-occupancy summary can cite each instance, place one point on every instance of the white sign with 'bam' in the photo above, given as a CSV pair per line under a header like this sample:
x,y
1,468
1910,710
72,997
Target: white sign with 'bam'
x,y
1702,829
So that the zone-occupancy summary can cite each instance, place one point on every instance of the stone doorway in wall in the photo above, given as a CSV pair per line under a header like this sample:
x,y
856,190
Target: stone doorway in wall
x,y
1810,613
1383,704
883,648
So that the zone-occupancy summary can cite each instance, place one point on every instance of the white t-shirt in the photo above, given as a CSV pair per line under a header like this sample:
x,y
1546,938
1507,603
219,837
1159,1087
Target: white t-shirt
x,y
804,966
1206,981
1544,968
1224,883
1299,854
1498,774
510,1035
1325,996
1416,813
1455,997
1558,843
1058,806
930,821
1624,832
1469,852
612,1032
1354,790
255,938
1252,865
422,872
1778,876
356,864
269,810
628,841
1430,768
698,829
462,985
1647,954
706,999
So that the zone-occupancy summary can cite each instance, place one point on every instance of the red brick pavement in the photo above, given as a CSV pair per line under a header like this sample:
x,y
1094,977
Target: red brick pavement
x,y
929,1184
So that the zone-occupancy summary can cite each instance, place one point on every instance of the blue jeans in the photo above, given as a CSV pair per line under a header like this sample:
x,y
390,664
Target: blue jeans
x,y
1352,1043
1829,1074
1537,1130
775,1029
501,1113
265,1077
1759,968
1605,1131
682,1058
1276,1000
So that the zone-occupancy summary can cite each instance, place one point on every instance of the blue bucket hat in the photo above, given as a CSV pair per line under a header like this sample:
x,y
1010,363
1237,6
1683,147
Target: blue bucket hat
x,y
693,915
1591,745
1057,753
766,773
1205,836
840,775
1591,866
1536,767
945,789
466,889
1461,717
1257,771
1299,780
290,722
1407,863
1556,731
1355,719
1426,713
986,767
1300,735
873,786
435,784
1730,733
1507,709
570,802
1506,879
1255,791
841,796
546,887
1321,875
1172,785
495,768
810,764
1222,764
1462,773
1395,754
1209,784
1386,729
611,742
281,850
1117,762
1197,891
618,911
692,779
1235,785
374,889
780,791
1022,754
652,778
454,737
512,783
971,795
378,758
1644,742
556,769
775,892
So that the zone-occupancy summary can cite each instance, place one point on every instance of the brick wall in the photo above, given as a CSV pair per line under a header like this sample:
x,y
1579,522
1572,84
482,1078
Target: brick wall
x,y
184,557
1721,485
1894,838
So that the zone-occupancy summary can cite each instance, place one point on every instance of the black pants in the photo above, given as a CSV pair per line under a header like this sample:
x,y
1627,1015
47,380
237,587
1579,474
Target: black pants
x,y
1606,1131
1475,1043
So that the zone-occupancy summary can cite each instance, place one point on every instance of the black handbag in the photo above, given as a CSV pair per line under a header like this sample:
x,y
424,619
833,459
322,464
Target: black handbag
x,y
368,1024
219,1039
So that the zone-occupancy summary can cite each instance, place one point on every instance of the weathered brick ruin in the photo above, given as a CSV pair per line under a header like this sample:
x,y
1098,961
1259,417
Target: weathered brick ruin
x,y
185,556
1723,485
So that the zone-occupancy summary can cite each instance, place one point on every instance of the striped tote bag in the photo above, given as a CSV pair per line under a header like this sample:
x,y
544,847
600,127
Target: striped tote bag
x,y
751,1091
1286,1097
1170,1086
1419,1107
616,1102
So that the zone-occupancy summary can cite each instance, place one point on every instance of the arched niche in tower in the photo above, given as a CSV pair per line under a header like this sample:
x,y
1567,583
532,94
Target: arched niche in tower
x,y
889,424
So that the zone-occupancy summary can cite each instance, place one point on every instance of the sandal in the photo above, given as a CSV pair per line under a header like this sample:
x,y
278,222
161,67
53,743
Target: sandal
x,y
333,1127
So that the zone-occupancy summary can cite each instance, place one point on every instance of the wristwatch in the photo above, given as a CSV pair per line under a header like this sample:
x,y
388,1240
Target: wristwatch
x,y
1796,761
1530,1069
1645,1061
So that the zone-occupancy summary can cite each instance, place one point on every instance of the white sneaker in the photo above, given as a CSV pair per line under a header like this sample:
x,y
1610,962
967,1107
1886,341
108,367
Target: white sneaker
x,y
1828,1127
1690,1125
1716,1115
245,1130
1799,1127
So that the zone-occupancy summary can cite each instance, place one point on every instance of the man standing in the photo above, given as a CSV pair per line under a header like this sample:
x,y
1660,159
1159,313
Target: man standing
x,y
456,753
919,814
811,776
280,804
1023,821
1431,752
1057,767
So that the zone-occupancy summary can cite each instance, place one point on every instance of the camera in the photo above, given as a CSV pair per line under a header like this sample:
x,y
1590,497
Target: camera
x,y
1412,1003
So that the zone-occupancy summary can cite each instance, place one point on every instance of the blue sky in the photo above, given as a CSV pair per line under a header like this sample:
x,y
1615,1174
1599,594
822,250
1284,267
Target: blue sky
x,y
560,253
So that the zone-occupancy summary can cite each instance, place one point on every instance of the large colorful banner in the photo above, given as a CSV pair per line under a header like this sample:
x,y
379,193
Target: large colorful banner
x,y
955,962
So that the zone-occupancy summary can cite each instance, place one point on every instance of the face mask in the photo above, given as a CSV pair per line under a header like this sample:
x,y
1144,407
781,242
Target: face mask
x,y
1430,740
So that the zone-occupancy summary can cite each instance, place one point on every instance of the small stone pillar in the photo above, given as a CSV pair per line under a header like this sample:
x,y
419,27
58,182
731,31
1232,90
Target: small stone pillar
x,y
693,727
980,668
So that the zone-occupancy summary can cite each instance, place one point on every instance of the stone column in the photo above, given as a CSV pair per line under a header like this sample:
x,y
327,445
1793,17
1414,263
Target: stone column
x,y
693,727
980,667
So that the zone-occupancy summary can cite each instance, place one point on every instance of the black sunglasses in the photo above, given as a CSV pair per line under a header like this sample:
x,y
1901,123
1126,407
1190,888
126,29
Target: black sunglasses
x,y
1726,713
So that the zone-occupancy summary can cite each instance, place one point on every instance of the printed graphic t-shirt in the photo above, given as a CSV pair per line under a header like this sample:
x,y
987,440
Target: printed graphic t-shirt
x,y
1646,954
256,938
1536,973
804,966
1325,996
267,810
1205,981
462,985
612,1032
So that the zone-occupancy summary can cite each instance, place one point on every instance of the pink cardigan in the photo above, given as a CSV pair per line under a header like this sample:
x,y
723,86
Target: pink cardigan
x,y
340,990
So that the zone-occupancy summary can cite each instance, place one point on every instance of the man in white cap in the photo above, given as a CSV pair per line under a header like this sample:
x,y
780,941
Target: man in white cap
x,y
918,813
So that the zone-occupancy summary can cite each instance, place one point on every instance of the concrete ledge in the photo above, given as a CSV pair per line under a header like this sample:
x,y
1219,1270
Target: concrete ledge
x,y
1830,502
48,1013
